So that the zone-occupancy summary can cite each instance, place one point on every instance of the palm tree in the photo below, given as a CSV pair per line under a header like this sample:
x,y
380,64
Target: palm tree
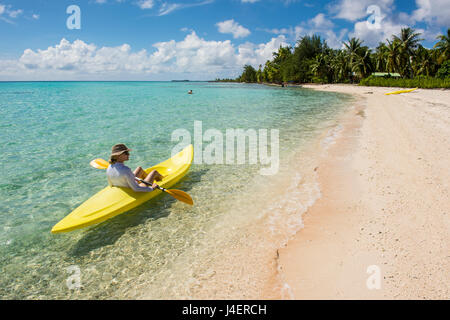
x,y
259,75
443,47
320,66
364,64
408,43
353,49
423,63
380,57
359,57
409,40
275,66
272,71
283,54
340,66
249,74
393,56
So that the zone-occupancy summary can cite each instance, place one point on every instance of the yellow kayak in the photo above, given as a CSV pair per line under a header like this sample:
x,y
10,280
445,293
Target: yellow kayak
x,y
112,201
400,91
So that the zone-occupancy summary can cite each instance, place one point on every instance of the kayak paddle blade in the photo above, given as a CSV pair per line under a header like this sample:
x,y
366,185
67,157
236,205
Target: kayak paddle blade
x,y
180,195
99,164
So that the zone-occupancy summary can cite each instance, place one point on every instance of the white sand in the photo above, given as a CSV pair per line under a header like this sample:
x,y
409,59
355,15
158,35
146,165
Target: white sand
x,y
385,203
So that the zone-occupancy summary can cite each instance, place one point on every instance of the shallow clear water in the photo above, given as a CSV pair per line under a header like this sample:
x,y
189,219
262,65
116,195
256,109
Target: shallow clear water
x,y
52,130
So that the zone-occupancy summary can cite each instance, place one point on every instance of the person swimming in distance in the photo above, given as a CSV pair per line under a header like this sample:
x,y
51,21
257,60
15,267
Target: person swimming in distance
x,y
190,92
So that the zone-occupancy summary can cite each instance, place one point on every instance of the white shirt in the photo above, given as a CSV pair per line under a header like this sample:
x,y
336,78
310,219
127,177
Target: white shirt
x,y
119,175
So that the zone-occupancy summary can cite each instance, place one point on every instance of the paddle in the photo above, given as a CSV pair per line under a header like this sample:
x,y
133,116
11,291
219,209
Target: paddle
x,y
177,194
99,164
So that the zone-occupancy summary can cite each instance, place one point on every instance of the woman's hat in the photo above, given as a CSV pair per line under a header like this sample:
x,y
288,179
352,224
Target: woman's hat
x,y
118,149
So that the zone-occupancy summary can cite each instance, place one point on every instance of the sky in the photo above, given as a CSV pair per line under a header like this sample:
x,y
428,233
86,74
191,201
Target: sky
x,y
188,39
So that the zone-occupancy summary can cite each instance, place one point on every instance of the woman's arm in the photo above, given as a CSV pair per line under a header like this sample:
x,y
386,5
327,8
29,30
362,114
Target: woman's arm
x,y
131,179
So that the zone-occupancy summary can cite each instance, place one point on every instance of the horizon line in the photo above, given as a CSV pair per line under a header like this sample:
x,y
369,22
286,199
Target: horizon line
x,y
106,80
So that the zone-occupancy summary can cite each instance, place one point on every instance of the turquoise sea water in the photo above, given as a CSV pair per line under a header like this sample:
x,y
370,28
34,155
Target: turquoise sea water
x,y
50,131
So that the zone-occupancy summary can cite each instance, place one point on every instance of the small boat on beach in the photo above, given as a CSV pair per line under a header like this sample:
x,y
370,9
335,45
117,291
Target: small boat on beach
x,y
400,91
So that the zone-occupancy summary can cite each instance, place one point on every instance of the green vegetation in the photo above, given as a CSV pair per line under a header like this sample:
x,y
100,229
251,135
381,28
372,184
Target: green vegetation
x,y
225,80
416,82
311,60
444,70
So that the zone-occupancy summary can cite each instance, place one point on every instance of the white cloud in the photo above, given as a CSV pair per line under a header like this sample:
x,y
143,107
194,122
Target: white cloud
x,y
15,13
193,55
320,22
324,27
292,33
372,36
318,25
256,54
435,14
277,31
335,41
35,16
167,8
249,1
186,29
7,9
433,11
230,26
354,10
146,4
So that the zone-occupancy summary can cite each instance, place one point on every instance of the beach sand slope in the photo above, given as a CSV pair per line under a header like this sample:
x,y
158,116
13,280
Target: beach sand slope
x,y
381,229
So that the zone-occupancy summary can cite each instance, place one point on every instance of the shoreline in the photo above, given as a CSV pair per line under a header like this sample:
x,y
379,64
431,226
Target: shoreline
x,y
384,187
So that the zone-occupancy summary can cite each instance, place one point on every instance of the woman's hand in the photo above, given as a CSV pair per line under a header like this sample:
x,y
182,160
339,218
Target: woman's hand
x,y
154,186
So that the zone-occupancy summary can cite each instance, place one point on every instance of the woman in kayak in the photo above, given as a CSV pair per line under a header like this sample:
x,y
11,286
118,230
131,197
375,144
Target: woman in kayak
x,y
119,175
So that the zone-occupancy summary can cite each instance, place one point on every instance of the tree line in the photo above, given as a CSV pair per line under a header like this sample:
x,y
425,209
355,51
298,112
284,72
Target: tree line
x,y
311,60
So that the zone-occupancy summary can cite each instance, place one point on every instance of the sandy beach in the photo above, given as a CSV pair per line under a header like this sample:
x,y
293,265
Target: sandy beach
x,y
381,228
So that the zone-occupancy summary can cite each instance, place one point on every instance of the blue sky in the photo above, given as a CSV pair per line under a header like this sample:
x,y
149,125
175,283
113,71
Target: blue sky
x,y
193,39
